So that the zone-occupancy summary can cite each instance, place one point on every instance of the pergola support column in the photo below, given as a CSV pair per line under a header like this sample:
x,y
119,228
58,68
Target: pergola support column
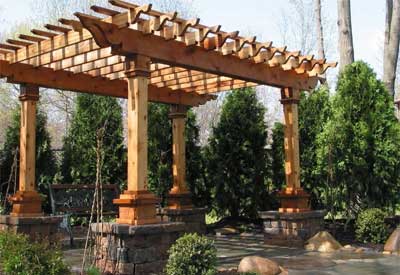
x,y
179,196
137,206
293,197
27,201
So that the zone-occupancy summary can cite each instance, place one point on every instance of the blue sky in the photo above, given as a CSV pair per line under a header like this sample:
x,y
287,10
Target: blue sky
x,y
262,18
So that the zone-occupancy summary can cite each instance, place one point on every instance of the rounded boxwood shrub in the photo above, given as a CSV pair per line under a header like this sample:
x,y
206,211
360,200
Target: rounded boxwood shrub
x,y
371,227
19,256
192,255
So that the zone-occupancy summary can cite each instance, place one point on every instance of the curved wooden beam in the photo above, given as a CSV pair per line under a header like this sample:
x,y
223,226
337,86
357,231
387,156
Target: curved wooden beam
x,y
128,41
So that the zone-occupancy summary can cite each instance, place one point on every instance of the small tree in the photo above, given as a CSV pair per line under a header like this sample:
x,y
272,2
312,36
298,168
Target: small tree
x,y
160,154
45,160
160,150
195,164
79,159
237,157
358,151
278,156
314,111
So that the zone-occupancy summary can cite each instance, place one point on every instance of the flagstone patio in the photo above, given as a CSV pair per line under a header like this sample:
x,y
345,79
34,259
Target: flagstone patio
x,y
231,249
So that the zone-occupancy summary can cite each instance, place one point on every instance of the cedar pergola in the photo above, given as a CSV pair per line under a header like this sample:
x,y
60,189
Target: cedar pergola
x,y
145,55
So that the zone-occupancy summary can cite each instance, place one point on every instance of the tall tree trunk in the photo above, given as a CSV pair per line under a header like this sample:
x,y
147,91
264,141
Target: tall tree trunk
x,y
346,48
320,29
391,47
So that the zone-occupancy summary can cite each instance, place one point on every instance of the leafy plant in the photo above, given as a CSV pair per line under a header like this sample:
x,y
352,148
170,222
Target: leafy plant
x,y
192,255
93,271
19,256
212,217
371,227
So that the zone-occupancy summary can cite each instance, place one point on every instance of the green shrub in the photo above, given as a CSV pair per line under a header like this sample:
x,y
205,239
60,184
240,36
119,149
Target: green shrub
x,y
93,271
19,256
358,152
371,227
192,255
236,157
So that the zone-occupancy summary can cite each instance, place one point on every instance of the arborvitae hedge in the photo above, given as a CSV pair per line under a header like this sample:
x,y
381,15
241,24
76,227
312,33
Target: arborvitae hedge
x,y
160,154
358,151
237,156
45,160
79,159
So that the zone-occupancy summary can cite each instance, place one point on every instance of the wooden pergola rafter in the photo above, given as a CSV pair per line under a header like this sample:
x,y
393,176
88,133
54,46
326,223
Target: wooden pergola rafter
x,y
73,47
144,55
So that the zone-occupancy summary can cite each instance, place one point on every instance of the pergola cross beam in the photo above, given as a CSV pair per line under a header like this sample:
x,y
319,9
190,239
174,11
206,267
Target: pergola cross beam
x,y
46,77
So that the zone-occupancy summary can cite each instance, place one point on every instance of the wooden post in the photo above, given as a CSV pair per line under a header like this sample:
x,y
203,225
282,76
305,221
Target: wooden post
x,y
293,198
27,201
137,205
179,196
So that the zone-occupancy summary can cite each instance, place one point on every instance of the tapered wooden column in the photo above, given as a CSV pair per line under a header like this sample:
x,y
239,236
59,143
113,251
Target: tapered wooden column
x,y
137,205
179,196
293,197
27,201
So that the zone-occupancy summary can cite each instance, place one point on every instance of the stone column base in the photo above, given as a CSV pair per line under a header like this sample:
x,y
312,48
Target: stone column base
x,y
45,228
135,250
194,219
291,229
137,208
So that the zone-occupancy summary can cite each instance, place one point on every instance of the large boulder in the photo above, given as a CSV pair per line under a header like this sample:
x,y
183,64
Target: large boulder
x,y
261,266
323,242
393,243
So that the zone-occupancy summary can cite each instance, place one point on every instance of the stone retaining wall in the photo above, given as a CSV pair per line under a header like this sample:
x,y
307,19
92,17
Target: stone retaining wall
x,y
44,228
136,250
194,219
291,229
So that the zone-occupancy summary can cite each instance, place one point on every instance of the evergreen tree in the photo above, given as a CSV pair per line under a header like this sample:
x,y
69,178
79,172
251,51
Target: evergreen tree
x,y
278,156
237,158
358,151
45,160
93,113
314,111
160,154
195,164
160,150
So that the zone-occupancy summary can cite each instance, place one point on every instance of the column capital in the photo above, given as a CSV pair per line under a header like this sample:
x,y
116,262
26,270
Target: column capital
x,y
178,111
29,92
137,65
290,96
